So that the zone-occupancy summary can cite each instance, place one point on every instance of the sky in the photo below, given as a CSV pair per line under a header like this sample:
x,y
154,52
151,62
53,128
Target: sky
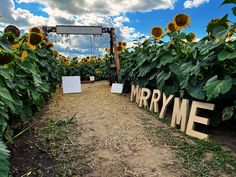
x,y
131,19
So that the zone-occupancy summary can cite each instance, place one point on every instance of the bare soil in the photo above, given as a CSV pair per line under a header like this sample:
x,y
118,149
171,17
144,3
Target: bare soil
x,y
114,127
111,134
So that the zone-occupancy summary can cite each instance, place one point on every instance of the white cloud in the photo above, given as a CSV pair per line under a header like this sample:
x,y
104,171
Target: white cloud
x,y
104,7
194,3
81,12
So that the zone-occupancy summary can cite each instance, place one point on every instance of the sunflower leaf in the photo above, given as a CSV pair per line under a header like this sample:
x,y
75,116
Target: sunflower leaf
x,y
220,32
228,2
4,165
234,11
214,87
224,55
228,113
5,94
161,78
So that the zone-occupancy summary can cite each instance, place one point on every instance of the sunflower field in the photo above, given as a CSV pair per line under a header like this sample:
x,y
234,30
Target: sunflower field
x,y
202,70
29,74
86,67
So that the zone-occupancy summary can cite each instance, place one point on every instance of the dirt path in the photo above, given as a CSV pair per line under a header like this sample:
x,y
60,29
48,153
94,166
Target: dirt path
x,y
113,127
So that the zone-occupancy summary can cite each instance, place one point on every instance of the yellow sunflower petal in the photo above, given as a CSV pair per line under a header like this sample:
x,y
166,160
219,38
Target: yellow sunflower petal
x,y
23,55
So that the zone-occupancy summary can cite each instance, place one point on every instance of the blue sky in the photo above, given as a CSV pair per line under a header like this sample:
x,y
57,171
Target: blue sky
x,y
131,18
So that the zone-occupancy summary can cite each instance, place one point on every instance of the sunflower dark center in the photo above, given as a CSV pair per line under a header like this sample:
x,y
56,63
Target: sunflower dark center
x,y
181,19
5,58
119,48
157,32
35,39
171,27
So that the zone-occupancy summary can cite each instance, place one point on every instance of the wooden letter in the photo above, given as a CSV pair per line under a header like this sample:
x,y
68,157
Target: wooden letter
x,y
194,118
135,93
165,104
156,96
180,113
145,94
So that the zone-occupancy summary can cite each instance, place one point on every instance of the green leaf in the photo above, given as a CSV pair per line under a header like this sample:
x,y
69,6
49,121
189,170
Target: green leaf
x,y
5,45
224,55
174,67
5,94
228,2
196,92
161,78
228,113
234,11
42,52
4,155
220,32
214,87
144,69
3,121
166,59
7,73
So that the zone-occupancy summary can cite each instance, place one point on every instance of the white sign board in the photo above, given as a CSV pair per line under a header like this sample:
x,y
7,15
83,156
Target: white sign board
x,y
92,78
84,30
71,84
116,88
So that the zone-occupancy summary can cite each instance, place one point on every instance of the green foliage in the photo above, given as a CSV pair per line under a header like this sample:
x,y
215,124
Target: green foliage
x,y
87,67
214,87
26,82
4,165
203,70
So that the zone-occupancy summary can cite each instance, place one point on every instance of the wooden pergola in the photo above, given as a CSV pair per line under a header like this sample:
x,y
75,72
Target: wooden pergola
x,y
88,30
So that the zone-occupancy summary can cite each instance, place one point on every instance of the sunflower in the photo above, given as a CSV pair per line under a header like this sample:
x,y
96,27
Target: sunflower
x,y
145,42
55,54
66,61
124,44
33,40
94,59
85,60
99,59
120,48
16,45
215,20
214,23
6,57
46,40
171,27
75,61
157,32
191,37
24,54
35,29
119,43
50,44
181,21
13,29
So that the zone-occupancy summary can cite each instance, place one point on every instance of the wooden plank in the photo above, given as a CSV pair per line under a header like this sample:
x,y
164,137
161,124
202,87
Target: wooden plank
x,y
193,118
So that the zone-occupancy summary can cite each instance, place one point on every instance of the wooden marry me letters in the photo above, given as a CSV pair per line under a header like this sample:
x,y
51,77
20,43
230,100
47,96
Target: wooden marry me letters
x,y
180,113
